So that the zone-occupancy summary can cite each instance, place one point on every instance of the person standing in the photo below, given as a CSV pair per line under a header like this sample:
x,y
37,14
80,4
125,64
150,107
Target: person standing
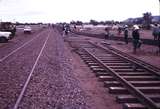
x,y
107,33
155,32
126,34
75,27
158,39
136,38
119,30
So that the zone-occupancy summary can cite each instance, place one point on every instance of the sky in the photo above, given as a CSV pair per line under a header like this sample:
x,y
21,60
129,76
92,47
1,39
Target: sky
x,y
69,10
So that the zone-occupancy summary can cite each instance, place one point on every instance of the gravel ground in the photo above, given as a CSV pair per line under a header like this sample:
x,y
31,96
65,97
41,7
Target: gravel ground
x,y
53,85
14,71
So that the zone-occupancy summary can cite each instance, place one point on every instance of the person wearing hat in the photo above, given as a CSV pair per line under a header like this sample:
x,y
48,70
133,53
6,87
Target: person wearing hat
x,y
126,34
136,38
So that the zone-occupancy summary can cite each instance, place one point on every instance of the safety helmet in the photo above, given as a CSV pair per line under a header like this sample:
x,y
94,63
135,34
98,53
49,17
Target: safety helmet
x,y
136,27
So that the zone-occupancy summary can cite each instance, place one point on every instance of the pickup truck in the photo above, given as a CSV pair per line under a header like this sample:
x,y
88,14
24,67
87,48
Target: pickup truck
x,y
5,36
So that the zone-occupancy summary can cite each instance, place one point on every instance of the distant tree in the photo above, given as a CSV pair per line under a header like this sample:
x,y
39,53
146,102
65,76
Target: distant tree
x,y
147,17
94,22
79,23
72,22
76,22
102,22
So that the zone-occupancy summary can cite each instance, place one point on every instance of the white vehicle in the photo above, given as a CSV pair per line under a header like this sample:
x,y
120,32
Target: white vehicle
x,y
27,29
5,36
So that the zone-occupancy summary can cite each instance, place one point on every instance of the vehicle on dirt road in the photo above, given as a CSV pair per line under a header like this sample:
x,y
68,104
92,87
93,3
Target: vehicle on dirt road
x,y
5,36
8,27
27,29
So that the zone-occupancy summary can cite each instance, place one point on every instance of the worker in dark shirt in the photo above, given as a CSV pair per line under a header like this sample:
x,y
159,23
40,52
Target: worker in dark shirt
x,y
159,41
126,34
136,38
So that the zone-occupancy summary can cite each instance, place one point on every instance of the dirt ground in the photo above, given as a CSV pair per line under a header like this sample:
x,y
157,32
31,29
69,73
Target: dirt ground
x,y
145,34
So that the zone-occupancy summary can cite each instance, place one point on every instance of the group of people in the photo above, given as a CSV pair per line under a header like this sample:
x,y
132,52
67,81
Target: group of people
x,y
136,36
66,29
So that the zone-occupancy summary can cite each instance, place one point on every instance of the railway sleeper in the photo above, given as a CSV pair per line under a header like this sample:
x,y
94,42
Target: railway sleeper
x,y
91,61
135,83
140,78
86,58
126,99
145,90
115,61
135,74
145,83
131,78
118,90
105,55
94,63
121,67
129,70
95,66
108,58
134,106
118,64
111,59
132,99
99,70
102,74
106,78
112,84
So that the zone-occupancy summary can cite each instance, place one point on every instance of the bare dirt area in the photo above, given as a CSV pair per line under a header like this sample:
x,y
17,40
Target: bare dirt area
x,y
98,96
145,34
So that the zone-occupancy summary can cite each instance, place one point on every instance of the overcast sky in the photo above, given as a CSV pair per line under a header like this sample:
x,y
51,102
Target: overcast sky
x,y
67,10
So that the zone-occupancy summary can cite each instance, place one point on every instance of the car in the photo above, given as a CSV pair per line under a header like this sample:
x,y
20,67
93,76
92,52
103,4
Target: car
x,y
5,36
27,29
8,27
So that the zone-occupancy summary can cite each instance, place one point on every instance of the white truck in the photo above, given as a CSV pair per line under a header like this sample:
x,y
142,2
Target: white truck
x,y
7,31
5,36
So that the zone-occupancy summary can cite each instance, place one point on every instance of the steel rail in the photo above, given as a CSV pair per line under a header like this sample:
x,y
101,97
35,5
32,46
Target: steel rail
x,y
149,103
30,75
132,60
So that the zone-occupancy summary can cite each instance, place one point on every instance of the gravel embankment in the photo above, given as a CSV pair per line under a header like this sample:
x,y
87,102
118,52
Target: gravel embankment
x,y
14,71
53,85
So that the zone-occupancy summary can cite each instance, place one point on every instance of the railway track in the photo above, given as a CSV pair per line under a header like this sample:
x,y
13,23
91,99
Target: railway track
x,y
136,84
